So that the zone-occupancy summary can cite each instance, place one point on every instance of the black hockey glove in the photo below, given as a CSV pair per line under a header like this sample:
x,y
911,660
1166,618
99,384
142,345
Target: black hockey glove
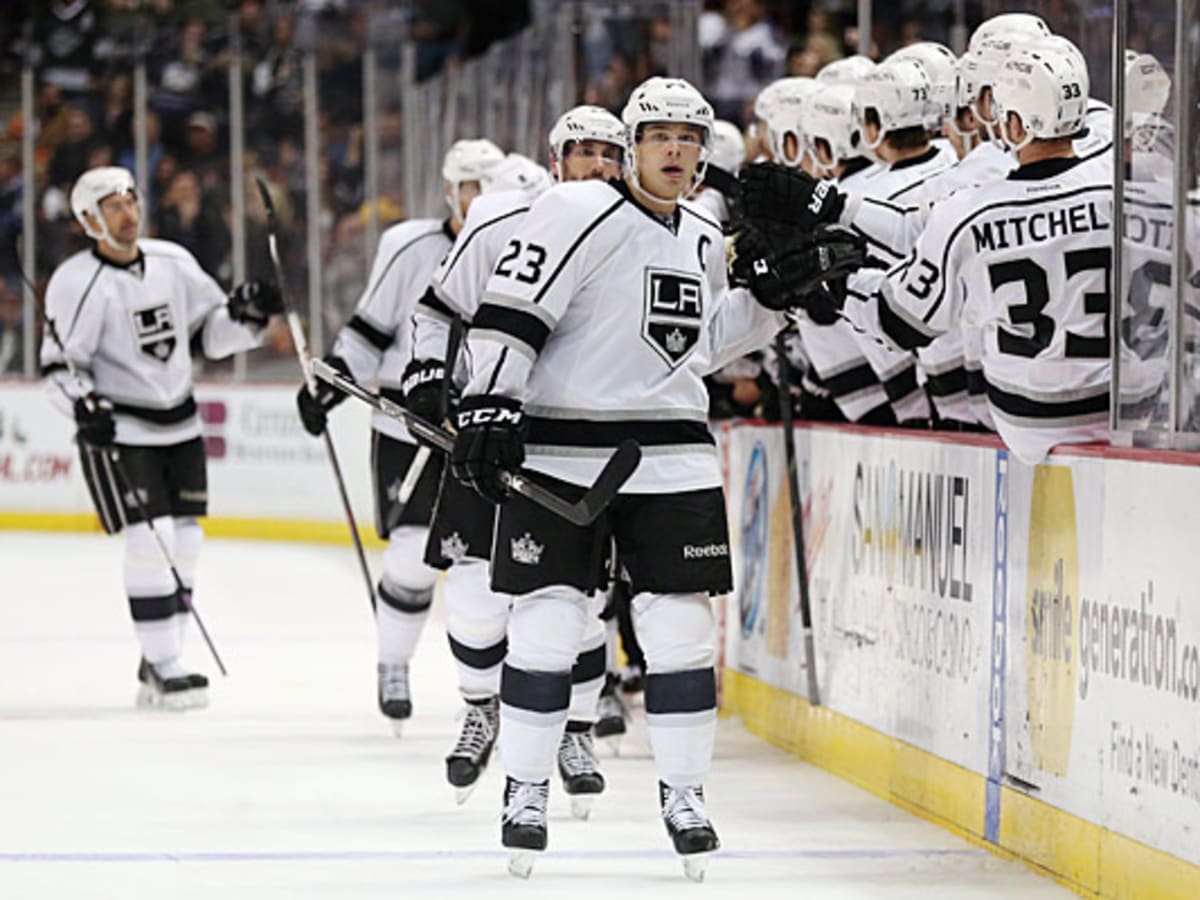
x,y
314,411
424,385
94,423
490,440
773,270
780,195
254,302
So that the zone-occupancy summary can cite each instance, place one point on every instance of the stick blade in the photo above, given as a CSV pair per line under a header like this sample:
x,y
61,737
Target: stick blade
x,y
618,470
268,204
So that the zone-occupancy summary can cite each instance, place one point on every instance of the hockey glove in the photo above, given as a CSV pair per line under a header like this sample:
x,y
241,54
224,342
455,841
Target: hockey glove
x,y
772,270
254,302
424,385
314,411
777,194
94,425
490,440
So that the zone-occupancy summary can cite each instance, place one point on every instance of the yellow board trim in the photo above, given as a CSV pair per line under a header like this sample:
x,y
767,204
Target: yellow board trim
x,y
252,529
1087,858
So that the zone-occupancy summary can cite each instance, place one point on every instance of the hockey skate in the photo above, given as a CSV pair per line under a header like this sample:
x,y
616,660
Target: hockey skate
x,y
169,686
689,827
610,720
580,771
470,755
523,823
394,699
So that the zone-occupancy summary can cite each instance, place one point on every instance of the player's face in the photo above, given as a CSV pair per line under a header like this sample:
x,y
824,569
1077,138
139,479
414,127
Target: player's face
x,y
467,192
668,154
122,216
590,159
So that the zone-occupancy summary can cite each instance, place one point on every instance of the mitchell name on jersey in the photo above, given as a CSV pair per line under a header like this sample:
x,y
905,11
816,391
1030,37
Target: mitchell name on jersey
x,y
603,318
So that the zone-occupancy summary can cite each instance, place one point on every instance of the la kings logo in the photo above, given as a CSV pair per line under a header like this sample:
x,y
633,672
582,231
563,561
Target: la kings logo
x,y
154,329
672,314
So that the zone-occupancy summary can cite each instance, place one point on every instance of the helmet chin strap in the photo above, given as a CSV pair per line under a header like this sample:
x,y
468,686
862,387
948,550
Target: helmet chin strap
x,y
1002,127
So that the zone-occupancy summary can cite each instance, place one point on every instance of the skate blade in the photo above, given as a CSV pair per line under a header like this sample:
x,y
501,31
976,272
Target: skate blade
x,y
462,794
581,806
149,698
397,727
695,865
197,698
520,863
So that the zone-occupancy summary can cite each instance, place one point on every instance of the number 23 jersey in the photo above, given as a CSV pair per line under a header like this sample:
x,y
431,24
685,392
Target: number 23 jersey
x,y
603,318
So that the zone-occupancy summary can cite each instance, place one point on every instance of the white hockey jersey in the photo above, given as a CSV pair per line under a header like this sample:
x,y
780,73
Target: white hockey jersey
x,y
130,331
603,318
1027,262
377,341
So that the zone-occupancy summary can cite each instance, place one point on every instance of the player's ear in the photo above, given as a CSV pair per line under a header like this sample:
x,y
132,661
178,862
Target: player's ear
x,y
1015,127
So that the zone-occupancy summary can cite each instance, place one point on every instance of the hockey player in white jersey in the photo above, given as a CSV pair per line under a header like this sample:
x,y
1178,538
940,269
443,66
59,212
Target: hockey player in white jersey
x,y
599,327
375,345
585,143
1027,261
131,312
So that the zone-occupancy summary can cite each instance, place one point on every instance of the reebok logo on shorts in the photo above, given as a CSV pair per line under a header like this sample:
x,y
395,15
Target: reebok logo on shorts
x,y
705,551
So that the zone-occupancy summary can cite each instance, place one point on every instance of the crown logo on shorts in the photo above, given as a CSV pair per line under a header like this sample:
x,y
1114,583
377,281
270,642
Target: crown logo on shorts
x,y
676,342
454,547
526,550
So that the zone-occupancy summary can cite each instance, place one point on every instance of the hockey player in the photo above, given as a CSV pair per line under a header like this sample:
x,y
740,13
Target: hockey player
x,y
599,327
1027,261
585,143
375,345
130,312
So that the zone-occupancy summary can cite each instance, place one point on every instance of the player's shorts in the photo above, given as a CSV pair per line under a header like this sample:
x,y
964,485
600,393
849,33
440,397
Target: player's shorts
x,y
170,481
390,462
668,543
462,526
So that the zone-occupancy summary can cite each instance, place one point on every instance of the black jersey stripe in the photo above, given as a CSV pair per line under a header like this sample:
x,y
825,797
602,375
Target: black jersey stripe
x,y
430,300
948,383
78,309
894,207
870,239
897,329
180,412
523,326
851,381
588,433
976,383
902,385
1015,404
377,338
470,237
575,246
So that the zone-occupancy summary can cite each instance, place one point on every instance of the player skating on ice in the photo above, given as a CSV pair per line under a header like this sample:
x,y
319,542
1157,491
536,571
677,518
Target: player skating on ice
x,y
600,325
585,143
375,346
128,313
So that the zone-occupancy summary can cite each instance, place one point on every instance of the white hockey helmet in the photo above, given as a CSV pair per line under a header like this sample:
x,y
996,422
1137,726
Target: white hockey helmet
x,y
900,93
941,67
829,118
783,118
1026,25
660,99
585,123
991,42
1147,90
1047,87
516,173
849,70
466,160
93,186
729,146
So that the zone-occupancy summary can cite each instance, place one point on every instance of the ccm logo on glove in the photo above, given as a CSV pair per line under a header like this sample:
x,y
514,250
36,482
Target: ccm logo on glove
x,y
490,415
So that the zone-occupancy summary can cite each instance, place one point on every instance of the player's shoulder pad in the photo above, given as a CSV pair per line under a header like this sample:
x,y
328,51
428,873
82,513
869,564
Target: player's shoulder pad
x,y
576,200
402,233
700,212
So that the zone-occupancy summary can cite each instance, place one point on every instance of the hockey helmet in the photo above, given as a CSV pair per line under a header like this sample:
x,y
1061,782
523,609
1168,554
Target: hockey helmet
x,y
516,173
585,123
1045,85
92,187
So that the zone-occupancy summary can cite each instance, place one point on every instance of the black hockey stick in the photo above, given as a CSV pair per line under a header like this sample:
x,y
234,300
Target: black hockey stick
x,y
583,512
304,357
797,502
128,489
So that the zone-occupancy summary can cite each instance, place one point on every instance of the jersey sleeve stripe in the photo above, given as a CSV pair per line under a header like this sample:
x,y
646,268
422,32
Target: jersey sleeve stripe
x,y
78,309
496,370
434,304
470,237
575,246
900,329
851,380
493,298
902,385
946,384
530,330
376,337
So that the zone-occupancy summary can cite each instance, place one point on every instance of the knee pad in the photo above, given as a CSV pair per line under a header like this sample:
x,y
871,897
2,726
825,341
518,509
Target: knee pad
x,y
545,629
676,631
146,571
189,536
404,569
475,615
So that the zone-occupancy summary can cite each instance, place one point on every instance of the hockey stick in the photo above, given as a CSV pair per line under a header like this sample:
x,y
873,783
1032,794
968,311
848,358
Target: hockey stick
x,y
797,502
305,358
127,488
583,512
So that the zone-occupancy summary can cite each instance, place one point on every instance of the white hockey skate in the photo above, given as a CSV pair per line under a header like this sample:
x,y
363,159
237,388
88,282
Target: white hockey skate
x,y
580,771
395,702
688,825
523,824
170,686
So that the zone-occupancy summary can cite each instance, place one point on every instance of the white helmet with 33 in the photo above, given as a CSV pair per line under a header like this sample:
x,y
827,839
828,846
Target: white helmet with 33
x,y
661,99
1046,86
516,173
93,186
585,123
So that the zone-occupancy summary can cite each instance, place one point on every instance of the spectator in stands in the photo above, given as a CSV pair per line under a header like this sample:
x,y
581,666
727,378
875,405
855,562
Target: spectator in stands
x,y
72,155
154,155
11,315
744,59
201,152
277,86
70,44
189,217
115,123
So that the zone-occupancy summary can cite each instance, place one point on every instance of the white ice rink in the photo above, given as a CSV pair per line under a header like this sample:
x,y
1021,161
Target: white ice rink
x,y
291,785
